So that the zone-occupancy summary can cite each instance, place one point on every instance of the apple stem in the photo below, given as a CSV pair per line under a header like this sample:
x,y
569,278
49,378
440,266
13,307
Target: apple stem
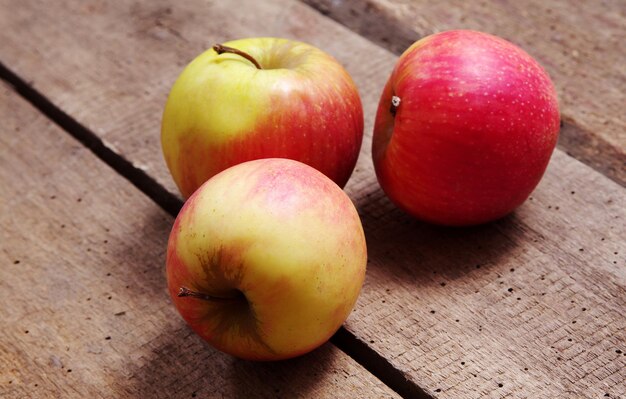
x,y
186,292
395,103
220,49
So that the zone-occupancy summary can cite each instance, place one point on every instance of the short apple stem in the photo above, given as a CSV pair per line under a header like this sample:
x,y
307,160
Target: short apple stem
x,y
395,103
220,49
186,292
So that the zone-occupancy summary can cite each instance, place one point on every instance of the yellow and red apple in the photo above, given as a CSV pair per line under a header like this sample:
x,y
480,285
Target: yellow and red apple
x,y
465,128
261,98
266,260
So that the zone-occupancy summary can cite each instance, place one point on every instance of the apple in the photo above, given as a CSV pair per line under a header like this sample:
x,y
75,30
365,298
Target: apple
x,y
261,98
266,260
465,128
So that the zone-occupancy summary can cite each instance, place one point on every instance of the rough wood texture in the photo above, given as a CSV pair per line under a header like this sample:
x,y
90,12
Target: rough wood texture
x,y
581,45
115,79
85,309
421,279
534,302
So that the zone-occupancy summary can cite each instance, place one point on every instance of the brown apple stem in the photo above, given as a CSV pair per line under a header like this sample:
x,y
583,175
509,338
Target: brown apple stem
x,y
186,292
220,49
395,103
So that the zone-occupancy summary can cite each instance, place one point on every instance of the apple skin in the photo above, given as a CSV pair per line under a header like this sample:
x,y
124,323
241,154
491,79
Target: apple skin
x,y
477,123
283,243
222,111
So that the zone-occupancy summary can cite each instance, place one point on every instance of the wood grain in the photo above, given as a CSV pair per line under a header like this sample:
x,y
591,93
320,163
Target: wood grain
x,y
530,306
581,46
85,309
421,279
115,79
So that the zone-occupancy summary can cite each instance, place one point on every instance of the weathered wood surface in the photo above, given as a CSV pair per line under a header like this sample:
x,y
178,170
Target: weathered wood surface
x,y
116,77
558,248
534,302
85,311
581,45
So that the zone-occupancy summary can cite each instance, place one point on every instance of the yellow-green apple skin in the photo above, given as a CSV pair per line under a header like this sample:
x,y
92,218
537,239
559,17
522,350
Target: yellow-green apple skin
x,y
280,249
222,110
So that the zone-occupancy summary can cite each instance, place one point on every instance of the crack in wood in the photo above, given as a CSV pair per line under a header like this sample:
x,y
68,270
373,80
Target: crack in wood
x,y
343,339
376,25
139,178
378,365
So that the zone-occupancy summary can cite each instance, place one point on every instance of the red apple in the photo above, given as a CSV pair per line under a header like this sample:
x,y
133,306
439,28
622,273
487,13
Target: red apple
x,y
261,98
266,260
465,128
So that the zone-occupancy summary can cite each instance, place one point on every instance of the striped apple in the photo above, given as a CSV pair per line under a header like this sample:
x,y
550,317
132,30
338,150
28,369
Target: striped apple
x,y
261,98
266,259
465,128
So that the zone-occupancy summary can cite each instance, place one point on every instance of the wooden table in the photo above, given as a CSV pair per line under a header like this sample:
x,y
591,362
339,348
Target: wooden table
x,y
531,306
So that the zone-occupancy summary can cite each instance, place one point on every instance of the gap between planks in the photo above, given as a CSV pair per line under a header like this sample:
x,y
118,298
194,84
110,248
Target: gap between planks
x,y
396,36
139,178
347,342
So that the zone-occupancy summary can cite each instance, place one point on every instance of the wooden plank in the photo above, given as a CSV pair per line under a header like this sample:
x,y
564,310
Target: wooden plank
x,y
119,90
534,302
496,336
580,45
85,307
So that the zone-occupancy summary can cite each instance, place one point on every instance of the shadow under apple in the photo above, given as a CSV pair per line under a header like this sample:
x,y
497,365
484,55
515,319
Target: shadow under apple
x,y
180,364
404,249
159,356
